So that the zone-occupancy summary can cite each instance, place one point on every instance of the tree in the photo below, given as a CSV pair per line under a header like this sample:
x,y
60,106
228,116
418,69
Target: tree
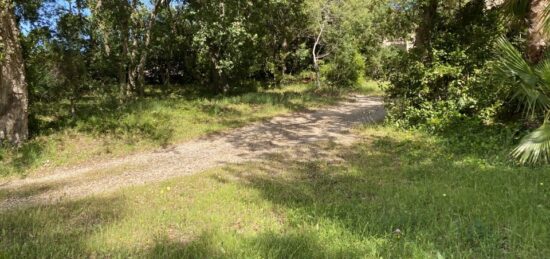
x,y
13,84
111,26
340,31
69,51
281,30
224,42
320,13
422,43
140,52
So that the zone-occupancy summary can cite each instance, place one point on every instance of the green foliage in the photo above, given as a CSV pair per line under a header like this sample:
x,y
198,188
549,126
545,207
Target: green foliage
x,y
1,52
457,73
94,47
532,92
221,40
532,83
456,78
382,63
345,68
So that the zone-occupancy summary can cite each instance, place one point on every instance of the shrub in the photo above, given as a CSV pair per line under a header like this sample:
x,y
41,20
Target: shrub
x,y
345,68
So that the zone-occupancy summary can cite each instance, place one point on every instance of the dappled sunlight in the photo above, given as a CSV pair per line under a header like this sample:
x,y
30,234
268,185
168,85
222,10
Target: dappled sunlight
x,y
103,128
388,195
404,184
300,133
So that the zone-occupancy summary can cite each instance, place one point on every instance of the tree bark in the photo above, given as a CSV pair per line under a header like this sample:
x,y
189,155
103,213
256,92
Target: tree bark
x,y
316,58
422,43
13,84
125,88
138,72
536,42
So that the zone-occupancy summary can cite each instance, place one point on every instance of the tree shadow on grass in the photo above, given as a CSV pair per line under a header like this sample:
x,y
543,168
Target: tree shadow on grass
x,y
27,191
439,199
56,231
18,160
306,244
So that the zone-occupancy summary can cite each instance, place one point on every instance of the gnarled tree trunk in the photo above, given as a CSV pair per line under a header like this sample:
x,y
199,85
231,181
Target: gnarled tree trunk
x,y
536,39
13,85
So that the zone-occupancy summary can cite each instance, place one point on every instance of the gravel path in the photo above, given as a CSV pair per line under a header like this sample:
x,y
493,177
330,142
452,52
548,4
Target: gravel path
x,y
298,132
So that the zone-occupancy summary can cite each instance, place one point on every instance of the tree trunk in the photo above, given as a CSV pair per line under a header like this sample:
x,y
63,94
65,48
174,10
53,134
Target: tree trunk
x,y
125,89
139,71
102,26
536,39
422,43
13,85
316,58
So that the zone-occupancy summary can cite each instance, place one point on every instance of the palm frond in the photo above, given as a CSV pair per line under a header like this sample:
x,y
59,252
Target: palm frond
x,y
531,82
516,8
543,72
535,147
546,21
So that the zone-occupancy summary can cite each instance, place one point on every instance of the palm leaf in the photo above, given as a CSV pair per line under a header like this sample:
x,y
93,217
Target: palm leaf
x,y
535,147
531,82
546,21
543,72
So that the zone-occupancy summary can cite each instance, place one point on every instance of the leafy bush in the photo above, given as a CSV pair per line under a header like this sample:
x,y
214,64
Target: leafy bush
x,y
345,68
454,77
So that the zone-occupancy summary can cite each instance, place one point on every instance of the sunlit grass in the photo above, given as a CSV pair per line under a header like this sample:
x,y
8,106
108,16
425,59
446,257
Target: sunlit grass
x,y
105,128
394,195
370,87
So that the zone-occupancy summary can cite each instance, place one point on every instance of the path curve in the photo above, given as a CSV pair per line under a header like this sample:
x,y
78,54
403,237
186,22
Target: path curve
x,y
298,132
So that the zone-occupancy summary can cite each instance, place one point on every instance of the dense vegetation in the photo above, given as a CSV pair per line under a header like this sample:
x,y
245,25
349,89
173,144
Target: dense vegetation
x,y
476,60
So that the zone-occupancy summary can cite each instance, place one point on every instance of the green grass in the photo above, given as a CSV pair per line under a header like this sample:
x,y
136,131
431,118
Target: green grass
x,y
370,87
449,198
104,128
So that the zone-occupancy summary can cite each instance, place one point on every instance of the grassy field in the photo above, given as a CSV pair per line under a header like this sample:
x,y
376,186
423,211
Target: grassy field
x,y
393,195
104,129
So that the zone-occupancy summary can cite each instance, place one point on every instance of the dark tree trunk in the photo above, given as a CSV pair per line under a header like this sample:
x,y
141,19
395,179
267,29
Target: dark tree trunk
x,y
13,85
422,43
